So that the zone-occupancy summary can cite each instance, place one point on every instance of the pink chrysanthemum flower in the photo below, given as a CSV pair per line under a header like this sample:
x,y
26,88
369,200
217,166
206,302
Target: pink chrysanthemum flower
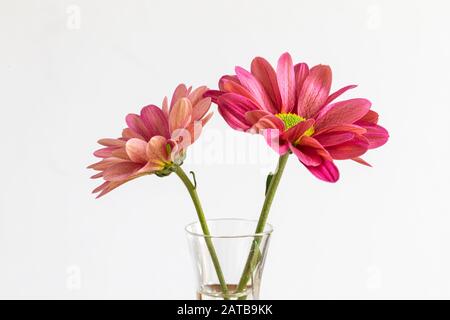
x,y
155,140
293,108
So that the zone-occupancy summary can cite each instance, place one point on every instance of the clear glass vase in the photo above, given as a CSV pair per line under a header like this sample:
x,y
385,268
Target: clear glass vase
x,y
234,246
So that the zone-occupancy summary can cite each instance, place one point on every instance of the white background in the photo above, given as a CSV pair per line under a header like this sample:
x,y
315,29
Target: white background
x,y
71,71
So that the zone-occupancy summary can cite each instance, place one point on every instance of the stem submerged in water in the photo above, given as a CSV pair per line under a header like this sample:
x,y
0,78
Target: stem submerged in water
x,y
201,217
254,254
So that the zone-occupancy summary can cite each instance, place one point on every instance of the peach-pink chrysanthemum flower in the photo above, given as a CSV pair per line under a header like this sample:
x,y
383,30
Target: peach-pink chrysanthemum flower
x,y
154,141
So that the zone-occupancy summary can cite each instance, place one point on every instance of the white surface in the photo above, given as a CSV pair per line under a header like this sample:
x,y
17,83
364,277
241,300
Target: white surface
x,y
71,70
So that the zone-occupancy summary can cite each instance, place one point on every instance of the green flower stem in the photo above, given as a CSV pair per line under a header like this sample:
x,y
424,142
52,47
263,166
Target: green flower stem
x,y
254,254
201,217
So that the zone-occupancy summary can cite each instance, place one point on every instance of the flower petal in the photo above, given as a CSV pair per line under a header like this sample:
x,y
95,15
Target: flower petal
x,y
136,150
253,116
180,115
371,116
362,161
165,107
104,163
129,133
376,134
111,142
263,71
310,142
135,123
268,122
314,91
326,171
233,108
334,138
155,120
107,187
341,128
121,153
200,108
157,150
180,92
301,72
197,95
104,152
350,149
256,89
286,82
231,84
338,93
213,94
307,156
344,112
121,171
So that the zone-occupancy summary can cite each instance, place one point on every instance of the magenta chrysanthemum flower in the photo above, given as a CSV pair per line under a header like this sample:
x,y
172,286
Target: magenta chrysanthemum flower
x,y
293,109
154,141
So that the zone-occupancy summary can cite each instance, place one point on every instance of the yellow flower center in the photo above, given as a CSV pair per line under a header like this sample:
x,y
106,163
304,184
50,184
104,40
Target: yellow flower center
x,y
291,119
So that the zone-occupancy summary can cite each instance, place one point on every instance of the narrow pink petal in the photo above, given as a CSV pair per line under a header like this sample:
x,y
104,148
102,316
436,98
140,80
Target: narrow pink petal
x,y
111,142
314,91
97,176
334,138
362,161
121,171
341,128
155,121
294,133
233,108
311,158
349,149
326,171
263,71
107,187
256,89
136,150
101,187
376,134
128,133
135,123
200,108
286,82
253,116
165,107
105,163
196,95
343,112
269,122
104,152
180,92
338,93
180,115
301,73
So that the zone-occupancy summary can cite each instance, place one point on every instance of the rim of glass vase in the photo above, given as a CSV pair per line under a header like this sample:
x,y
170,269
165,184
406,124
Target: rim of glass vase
x,y
268,229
